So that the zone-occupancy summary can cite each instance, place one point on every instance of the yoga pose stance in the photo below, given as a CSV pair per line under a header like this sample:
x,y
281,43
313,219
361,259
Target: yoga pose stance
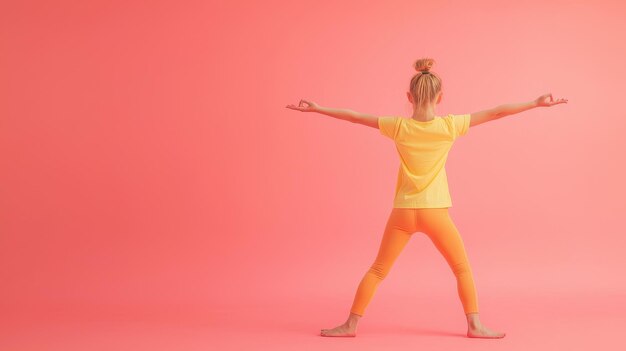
x,y
421,197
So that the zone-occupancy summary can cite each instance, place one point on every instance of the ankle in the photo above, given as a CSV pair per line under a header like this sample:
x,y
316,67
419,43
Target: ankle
x,y
473,322
474,326
353,320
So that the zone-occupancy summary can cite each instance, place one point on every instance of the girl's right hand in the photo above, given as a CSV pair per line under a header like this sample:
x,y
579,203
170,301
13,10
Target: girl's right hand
x,y
543,100
312,107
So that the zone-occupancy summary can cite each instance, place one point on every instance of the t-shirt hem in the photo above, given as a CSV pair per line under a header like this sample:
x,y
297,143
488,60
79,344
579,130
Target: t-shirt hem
x,y
446,205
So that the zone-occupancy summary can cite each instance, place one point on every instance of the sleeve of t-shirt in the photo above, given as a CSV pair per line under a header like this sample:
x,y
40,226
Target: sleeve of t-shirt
x,y
389,126
461,124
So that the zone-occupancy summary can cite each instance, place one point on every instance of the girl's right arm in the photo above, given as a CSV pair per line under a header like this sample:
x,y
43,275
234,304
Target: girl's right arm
x,y
509,109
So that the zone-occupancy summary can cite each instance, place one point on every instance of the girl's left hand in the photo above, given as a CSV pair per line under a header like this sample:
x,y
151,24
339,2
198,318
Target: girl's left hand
x,y
312,107
543,100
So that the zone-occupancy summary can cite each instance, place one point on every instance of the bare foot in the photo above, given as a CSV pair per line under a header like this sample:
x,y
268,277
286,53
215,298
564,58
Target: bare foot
x,y
342,330
484,332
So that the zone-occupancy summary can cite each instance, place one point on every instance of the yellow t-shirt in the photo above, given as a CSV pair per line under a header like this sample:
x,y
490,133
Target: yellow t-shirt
x,y
423,149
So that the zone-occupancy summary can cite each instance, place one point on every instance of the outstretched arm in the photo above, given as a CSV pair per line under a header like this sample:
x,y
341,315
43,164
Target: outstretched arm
x,y
344,114
509,109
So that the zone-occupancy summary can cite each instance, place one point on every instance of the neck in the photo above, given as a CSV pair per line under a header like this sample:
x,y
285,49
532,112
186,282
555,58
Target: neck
x,y
424,114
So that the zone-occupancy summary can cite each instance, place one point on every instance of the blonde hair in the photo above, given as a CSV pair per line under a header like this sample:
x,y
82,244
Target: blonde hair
x,y
424,87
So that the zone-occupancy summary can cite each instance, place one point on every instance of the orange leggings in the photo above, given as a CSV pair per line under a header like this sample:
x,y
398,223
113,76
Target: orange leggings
x,y
439,227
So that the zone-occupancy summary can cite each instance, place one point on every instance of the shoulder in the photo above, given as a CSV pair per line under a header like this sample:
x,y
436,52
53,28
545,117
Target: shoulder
x,y
389,118
390,121
458,123
390,125
448,120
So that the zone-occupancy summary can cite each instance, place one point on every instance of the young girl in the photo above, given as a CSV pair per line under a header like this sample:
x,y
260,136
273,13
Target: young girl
x,y
421,197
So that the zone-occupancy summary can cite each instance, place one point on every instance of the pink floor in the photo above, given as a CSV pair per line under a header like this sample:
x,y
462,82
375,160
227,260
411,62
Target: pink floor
x,y
567,322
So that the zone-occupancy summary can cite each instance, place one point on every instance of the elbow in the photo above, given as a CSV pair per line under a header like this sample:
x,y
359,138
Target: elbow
x,y
352,118
497,115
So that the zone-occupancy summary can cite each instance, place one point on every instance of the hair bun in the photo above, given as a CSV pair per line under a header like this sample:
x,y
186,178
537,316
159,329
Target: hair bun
x,y
424,64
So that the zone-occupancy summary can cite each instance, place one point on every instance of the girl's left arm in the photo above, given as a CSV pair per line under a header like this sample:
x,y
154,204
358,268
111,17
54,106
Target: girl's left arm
x,y
339,113
350,116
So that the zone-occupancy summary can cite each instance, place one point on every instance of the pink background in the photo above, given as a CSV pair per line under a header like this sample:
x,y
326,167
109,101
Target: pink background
x,y
155,191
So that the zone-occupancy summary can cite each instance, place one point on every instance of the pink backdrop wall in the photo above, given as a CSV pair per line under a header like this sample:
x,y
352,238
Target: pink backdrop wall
x,y
148,163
